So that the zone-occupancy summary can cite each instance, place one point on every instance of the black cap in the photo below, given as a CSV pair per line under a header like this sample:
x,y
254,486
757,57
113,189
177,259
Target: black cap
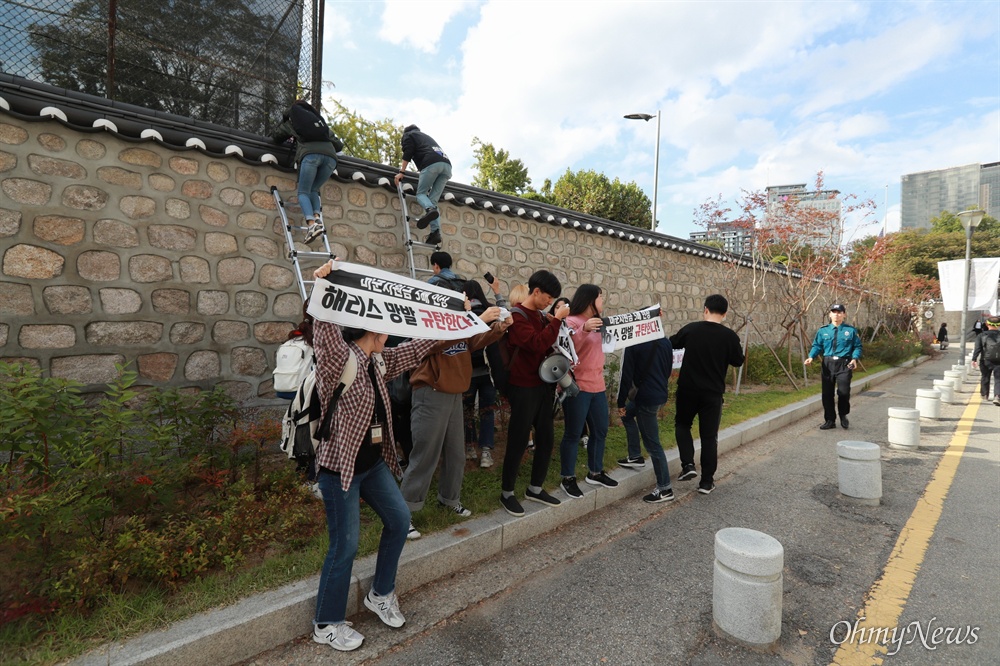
x,y
837,307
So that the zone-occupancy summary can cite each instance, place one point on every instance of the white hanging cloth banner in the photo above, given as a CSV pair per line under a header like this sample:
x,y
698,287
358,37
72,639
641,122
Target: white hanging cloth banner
x,y
359,296
983,279
631,328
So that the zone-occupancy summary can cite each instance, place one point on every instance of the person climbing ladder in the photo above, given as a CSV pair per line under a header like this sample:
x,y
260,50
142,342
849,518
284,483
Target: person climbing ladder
x,y
435,171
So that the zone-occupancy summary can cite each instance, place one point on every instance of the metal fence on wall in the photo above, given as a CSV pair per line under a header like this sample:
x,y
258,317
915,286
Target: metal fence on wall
x,y
237,63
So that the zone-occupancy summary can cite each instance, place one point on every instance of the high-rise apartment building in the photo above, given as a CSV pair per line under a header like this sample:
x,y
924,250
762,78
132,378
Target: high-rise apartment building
x,y
925,194
814,217
734,238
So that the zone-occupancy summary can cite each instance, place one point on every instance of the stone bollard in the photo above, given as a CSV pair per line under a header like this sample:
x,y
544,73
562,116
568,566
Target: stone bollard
x,y
746,593
962,370
947,388
929,403
955,378
904,428
859,471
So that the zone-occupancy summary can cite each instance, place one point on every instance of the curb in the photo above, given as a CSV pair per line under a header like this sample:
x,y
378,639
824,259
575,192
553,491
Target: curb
x,y
264,621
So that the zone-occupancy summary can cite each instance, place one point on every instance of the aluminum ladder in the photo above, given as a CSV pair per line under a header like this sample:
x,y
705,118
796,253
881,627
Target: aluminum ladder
x,y
295,254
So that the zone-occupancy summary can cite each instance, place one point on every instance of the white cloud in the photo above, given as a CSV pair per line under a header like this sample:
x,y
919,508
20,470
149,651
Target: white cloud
x,y
418,23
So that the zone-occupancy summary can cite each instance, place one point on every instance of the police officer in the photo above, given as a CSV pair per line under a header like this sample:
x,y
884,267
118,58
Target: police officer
x,y
840,345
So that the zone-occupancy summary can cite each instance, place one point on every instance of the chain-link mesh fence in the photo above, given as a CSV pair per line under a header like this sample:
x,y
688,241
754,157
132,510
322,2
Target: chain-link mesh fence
x,y
237,63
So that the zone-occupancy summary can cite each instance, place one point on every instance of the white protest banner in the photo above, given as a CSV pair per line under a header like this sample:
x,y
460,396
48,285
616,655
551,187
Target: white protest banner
x,y
983,280
362,297
631,328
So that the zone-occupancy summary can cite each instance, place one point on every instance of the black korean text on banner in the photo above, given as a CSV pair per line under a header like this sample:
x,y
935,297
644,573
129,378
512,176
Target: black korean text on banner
x,y
362,297
631,328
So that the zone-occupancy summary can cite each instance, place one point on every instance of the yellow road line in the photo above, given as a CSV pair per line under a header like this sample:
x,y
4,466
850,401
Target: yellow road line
x,y
888,595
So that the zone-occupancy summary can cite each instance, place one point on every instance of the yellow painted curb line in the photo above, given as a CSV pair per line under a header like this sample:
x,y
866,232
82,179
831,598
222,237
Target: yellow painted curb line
x,y
865,642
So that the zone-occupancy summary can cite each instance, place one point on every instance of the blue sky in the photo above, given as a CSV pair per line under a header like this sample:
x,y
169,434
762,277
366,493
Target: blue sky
x,y
751,94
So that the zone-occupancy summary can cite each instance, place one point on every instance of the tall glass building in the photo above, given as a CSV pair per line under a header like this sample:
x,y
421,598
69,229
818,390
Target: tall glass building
x,y
925,194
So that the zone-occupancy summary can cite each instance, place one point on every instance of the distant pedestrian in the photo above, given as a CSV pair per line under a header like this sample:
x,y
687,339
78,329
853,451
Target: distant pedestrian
x,y
987,353
942,335
435,170
709,349
643,390
840,346
316,149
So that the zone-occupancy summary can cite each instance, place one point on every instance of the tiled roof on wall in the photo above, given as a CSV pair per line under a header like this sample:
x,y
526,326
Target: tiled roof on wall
x,y
32,101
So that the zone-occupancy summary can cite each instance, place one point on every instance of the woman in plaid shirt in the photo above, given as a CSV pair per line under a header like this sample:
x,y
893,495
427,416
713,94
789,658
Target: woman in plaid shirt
x,y
358,461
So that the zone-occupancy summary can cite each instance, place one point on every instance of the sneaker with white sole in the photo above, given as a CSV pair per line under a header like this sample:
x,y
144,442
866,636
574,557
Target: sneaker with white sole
x,y
706,489
632,463
584,441
413,533
314,489
541,497
687,473
996,400
571,488
315,230
338,636
387,608
486,460
470,453
658,496
457,509
512,506
601,479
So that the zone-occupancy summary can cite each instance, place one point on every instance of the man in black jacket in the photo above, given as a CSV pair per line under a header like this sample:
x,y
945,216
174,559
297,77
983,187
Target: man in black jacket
x,y
986,344
435,170
709,349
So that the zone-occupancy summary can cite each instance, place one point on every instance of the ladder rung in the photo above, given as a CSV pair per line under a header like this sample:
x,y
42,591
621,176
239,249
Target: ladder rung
x,y
310,254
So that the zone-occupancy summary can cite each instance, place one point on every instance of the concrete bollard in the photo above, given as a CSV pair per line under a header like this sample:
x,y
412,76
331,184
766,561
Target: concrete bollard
x,y
904,428
955,378
859,471
746,592
962,370
947,388
929,403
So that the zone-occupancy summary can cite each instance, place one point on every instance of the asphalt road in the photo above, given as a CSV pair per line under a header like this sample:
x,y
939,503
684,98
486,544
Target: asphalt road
x,y
632,584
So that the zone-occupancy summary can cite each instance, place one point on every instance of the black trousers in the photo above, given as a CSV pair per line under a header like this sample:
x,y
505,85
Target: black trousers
x,y
708,408
836,375
987,370
529,407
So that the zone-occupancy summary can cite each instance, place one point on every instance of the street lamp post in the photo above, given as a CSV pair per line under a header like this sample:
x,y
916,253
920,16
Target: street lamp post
x,y
656,158
970,220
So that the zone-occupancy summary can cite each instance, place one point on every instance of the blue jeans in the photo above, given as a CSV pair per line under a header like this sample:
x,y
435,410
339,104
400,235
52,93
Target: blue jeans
x,y
642,420
343,522
430,185
584,408
482,385
314,170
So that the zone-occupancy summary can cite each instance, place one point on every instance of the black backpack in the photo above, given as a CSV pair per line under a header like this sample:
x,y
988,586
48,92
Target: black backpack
x,y
456,283
307,124
991,347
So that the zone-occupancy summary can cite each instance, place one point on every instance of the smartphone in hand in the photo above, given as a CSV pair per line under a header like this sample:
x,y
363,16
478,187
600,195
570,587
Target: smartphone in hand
x,y
489,278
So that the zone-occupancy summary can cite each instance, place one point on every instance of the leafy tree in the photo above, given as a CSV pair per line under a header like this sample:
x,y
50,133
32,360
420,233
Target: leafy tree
x,y
918,251
372,140
543,195
495,170
222,61
593,193
948,222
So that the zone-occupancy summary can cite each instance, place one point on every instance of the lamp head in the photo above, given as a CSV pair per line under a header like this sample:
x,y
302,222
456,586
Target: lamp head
x,y
639,116
971,218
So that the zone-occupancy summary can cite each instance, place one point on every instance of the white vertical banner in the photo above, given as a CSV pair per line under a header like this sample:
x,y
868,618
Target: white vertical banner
x,y
983,279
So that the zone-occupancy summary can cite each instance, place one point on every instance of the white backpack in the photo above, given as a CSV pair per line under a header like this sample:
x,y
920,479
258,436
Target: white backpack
x,y
293,362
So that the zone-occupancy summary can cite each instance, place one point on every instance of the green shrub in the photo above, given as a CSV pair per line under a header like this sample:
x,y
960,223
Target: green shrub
x,y
893,348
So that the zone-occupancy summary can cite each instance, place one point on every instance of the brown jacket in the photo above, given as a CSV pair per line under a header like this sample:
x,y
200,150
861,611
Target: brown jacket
x,y
448,366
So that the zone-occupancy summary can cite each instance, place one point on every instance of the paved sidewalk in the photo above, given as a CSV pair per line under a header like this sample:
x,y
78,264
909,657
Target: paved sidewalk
x,y
511,551
632,583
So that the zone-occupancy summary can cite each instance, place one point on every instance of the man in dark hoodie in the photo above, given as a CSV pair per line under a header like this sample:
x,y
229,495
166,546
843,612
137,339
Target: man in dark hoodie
x,y
435,170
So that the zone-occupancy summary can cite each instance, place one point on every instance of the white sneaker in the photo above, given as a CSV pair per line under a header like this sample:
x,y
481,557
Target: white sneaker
x,y
584,441
387,608
487,459
338,636
413,533
315,230
314,489
470,453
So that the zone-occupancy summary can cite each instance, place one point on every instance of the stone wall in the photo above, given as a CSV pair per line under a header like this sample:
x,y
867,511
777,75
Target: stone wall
x,y
117,252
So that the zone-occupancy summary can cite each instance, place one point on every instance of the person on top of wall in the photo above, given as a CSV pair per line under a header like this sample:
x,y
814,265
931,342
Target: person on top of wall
x,y
435,171
316,149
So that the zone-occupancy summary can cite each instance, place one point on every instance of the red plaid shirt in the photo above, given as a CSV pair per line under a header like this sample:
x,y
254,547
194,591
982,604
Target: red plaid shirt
x,y
353,416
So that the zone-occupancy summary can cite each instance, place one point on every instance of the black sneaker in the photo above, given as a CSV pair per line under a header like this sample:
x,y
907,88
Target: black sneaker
x,y
658,496
704,490
687,473
996,399
633,463
433,238
541,497
427,218
601,479
512,506
570,488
